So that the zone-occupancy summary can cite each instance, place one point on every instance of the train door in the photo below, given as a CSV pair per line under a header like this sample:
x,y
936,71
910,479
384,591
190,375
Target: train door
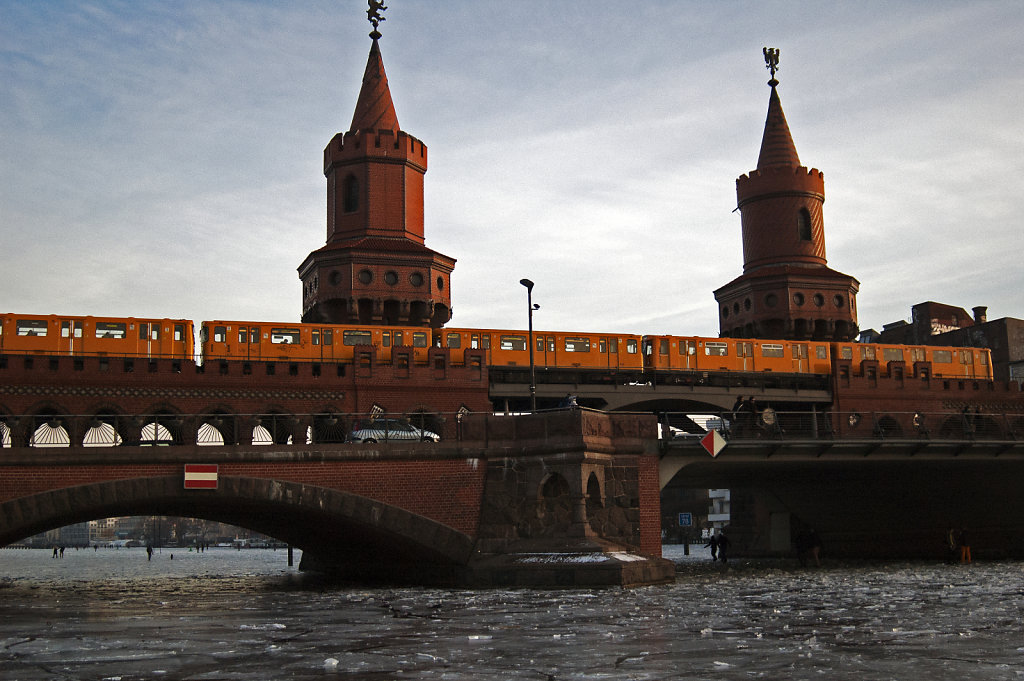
x,y
745,354
967,363
688,351
609,350
148,333
71,332
799,357
322,340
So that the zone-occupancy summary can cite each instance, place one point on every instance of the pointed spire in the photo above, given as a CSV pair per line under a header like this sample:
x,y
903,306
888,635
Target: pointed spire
x,y
374,108
777,146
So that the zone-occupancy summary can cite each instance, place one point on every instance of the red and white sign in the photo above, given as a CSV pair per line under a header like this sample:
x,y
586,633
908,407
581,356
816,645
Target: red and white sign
x,y
200,476
713,442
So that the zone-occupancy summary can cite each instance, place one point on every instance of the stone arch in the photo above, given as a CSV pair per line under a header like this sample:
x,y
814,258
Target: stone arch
x,y
554,504
887,426
219,426
102,429
323,522
273,426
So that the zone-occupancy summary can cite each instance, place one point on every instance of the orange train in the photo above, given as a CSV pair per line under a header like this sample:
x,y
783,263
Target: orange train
x,y
96,336
268,341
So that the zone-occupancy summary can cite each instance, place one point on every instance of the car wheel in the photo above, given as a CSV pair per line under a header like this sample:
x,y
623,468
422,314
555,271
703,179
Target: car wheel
x,y
370,441
427,438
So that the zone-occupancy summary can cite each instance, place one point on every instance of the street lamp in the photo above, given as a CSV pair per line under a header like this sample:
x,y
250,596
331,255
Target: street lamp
x,y
530,307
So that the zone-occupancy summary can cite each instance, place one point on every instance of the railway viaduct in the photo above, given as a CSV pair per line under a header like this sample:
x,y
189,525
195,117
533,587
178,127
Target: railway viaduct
x,y
564,498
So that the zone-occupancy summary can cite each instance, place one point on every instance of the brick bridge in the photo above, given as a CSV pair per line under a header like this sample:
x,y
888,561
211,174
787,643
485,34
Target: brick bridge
x,y
569,497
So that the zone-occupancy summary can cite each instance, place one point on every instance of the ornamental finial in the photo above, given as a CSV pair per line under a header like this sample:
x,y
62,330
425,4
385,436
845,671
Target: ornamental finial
x,y
373,15
771,62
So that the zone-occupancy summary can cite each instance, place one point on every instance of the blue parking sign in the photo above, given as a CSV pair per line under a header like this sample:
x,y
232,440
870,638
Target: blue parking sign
x,y
685,519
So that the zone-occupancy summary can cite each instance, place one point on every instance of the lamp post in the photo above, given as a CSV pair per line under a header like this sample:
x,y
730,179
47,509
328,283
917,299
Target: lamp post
x,y
530,307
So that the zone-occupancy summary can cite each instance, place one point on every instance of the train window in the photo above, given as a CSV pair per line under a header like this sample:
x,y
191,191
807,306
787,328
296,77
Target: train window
x,y
285,336
454,340
867,352
966,357
179,331
65,329
254,334
474,341
892,354
220,334
821,351
663,346
31,327
577,344
513,342
602,346
983,358
799,351
916,354
942,356
485,341
385,339
540,344
328,336
398,337
688,347
716,349
111,330
551,344
357,337
845,352
772,350
745,349
419,339
613,346
243,335
631,346
315,337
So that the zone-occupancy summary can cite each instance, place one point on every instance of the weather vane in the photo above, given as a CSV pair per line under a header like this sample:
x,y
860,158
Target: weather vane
x,y
373,14
771,62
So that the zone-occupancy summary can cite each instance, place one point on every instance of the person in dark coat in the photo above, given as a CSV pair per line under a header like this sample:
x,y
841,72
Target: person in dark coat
x,y
713,545
723,547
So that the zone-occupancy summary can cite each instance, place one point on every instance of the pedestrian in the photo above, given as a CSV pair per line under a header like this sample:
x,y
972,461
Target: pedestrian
x,y
723,547
149,552
713,545
54,551
952,546
965,547
815,542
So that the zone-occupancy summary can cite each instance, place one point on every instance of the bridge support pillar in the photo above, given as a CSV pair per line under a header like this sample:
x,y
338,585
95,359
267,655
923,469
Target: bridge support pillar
x,y
572,504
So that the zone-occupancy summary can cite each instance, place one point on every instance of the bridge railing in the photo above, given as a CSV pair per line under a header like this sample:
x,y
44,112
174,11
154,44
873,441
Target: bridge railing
x,y
213,429
764,424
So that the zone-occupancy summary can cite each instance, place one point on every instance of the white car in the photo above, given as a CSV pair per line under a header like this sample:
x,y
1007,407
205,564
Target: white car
x,y
384,430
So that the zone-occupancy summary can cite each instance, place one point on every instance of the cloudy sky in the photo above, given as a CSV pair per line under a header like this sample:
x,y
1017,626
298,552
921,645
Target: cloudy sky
x,y
165,158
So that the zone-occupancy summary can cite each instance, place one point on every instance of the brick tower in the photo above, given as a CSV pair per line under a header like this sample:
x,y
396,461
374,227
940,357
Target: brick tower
x,y
375,267
786,290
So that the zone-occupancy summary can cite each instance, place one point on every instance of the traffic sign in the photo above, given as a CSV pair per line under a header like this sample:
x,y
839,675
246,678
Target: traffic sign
x,y
685,520
200,476
713,442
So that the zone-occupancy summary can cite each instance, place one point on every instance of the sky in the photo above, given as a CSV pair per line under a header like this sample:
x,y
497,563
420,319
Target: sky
x,y
164,159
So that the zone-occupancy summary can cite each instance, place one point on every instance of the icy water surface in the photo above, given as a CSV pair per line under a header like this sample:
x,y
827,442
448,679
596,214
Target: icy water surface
x,y
228,614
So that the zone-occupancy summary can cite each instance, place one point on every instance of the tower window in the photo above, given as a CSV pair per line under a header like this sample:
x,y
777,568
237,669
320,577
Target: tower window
x,y
350,196
803,224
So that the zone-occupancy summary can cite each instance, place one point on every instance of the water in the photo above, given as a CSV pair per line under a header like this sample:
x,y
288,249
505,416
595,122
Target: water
x,y
226,614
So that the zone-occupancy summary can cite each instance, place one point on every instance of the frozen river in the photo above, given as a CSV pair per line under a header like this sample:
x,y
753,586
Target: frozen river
x,y
225,614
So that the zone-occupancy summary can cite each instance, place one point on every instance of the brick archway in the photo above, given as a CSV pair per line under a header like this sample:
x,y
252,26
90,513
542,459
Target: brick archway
x,y
322,522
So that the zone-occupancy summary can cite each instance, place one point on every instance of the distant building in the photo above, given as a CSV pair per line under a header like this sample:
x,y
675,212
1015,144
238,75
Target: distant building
x,y
934,323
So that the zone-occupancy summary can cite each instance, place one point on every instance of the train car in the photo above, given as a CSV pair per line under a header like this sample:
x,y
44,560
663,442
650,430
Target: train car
x,y
692,353
552,349
947,362
96,336
294,342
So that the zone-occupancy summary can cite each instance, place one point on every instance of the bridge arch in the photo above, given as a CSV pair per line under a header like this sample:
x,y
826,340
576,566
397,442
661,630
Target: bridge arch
x,y
334,527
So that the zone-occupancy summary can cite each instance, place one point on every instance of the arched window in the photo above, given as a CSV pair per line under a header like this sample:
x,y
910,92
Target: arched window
x,y
350,196
803,224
